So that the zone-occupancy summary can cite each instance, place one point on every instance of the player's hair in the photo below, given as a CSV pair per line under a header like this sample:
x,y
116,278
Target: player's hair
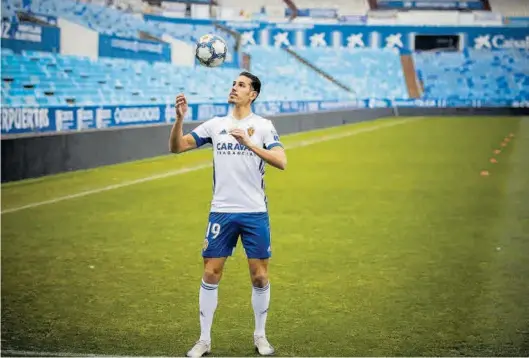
x,y
256,82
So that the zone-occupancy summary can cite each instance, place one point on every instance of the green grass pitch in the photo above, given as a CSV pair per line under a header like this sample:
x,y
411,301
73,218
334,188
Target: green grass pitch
x,y
387,242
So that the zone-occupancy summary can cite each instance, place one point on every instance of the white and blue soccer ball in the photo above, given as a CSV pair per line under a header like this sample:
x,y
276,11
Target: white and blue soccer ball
x,y
211,50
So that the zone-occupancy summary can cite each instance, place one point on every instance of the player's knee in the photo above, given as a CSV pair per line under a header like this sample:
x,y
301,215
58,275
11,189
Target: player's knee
x,y
212,274
260,279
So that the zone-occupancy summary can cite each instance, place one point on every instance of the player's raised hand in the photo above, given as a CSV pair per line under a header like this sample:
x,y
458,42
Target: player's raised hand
x,y
181,106
241,136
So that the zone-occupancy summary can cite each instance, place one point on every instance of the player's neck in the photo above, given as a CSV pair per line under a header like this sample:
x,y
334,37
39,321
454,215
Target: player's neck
x,y
241,112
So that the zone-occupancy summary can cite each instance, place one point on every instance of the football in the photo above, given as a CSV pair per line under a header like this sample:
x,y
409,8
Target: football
x,y
211,50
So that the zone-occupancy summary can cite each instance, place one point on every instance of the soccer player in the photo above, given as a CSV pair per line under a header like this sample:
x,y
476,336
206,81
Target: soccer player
x,y
242,143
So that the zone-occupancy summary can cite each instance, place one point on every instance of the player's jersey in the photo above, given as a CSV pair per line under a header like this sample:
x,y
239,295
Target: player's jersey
x,y
238,173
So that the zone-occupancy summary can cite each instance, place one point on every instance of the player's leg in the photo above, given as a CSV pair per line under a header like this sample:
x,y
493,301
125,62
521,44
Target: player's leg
x,y
255,230
221,238
260,293
208,294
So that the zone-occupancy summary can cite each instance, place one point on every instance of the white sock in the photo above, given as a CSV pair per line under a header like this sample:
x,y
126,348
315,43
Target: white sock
x,y
208,304
260,303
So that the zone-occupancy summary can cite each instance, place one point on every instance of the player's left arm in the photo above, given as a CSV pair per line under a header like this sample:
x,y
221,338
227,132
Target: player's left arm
x,y
273,152
275,156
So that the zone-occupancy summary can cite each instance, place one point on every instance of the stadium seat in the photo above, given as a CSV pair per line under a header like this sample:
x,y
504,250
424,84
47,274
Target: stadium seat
x,y
474,74
184,32
65,80
46,79
285,78
103,19
368,72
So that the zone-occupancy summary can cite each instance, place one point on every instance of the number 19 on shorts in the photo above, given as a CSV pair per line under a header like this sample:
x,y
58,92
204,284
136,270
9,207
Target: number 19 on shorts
x,y
214,229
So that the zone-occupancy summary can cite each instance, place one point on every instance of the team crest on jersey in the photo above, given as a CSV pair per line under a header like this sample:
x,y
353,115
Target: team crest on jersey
x,y
251,131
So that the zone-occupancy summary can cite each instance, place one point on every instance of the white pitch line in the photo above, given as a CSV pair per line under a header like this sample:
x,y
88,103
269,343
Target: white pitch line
x,y
300,144
326,138
15,353
110,187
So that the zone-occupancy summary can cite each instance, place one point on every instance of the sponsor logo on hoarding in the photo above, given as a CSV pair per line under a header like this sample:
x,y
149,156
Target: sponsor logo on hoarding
x,y
29,119
336,105
85,114
318,40
101,116
281,39
62,117
268,108
356,40
211,110
394,40
500,42
136,115
170,113
247,38
377,103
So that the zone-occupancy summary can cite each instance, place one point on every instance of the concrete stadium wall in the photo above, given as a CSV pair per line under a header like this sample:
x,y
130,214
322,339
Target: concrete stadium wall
x,y
31,157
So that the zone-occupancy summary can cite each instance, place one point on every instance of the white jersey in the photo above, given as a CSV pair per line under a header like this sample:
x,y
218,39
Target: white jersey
x,y
238,173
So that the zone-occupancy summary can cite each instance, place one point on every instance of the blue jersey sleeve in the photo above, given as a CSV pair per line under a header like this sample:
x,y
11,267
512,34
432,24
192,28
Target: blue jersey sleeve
x,y
202,134
271,138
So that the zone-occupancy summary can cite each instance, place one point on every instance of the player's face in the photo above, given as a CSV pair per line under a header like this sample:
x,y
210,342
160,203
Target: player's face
x,y
241,92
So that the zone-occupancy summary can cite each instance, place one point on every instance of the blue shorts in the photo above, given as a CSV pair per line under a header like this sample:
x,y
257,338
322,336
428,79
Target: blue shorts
x,y
224,229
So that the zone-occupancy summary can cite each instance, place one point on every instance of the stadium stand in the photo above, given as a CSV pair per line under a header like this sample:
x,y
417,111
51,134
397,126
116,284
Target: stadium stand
x,y
474,74
289,79
368,72
110,21
104,20
9,8
189,33
184,32
46,79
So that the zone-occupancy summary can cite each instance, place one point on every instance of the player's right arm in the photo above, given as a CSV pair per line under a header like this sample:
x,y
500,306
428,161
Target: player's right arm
x,y
178,142
201,135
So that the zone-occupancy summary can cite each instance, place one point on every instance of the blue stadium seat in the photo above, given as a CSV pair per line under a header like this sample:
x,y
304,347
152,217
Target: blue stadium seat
x,y
474,74
99,18
285,78
120,81
368,72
